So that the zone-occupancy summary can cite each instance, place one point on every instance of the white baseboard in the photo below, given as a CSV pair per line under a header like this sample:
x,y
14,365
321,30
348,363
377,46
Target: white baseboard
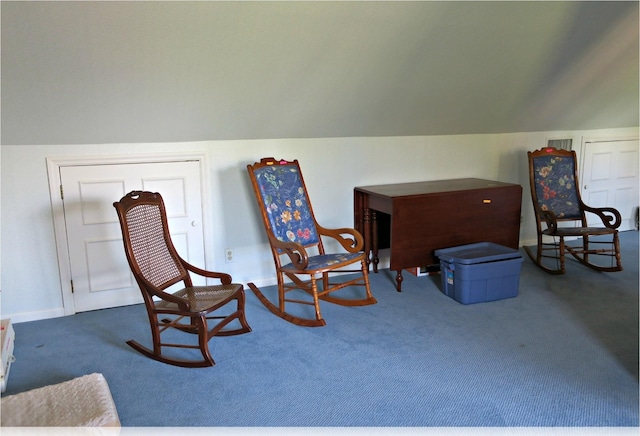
x,y
262,283
34,316
528,243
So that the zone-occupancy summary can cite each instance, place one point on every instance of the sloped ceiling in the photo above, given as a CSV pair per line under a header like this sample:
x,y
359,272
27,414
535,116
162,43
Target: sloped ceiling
x,y
91,72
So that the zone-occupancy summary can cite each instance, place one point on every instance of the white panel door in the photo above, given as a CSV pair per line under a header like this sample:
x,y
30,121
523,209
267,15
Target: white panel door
x,y
100,273
610,179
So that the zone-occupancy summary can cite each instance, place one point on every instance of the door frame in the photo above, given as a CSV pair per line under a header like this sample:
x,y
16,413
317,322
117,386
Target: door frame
x,y
54,163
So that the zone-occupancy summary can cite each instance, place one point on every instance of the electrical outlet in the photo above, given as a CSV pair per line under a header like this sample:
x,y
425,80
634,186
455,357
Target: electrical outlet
x,y
228,255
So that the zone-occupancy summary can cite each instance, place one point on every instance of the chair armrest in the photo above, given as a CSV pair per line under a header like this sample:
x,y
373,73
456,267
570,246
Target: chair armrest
x,y
296,252
352,244
224,278
183,303
611,221
550,219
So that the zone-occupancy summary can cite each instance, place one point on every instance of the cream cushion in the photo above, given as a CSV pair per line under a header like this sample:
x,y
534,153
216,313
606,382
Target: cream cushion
x,y
82,402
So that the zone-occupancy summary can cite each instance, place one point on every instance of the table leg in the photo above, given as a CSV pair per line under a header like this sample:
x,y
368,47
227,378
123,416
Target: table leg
x,y
374,232
366,218
399,279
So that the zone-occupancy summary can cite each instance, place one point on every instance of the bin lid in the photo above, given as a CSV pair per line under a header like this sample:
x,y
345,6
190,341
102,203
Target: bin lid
x,y
477,253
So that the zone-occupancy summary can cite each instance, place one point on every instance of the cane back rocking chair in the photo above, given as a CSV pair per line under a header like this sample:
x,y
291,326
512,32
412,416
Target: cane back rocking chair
x,y
556,200
295,236
156,266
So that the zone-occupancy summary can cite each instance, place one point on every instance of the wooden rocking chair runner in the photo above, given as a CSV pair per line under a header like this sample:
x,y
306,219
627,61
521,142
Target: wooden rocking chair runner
x,y
556,199
156,266
294,234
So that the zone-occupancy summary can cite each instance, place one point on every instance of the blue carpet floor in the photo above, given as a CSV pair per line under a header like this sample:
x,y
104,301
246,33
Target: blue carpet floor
x,y
563,353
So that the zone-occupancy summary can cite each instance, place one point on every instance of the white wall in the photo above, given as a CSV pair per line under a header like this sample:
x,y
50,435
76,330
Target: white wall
x,y
30,279
158,71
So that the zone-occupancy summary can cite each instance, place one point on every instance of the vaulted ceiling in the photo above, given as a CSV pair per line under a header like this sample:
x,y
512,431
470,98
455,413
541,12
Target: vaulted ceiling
x,y
85,72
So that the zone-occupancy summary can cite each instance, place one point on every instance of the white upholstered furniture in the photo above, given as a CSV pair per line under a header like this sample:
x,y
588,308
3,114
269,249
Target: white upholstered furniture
x,y
82,402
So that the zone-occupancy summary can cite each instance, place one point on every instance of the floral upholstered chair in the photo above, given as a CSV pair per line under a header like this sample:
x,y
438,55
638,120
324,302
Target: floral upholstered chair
x,y
560,213
296,237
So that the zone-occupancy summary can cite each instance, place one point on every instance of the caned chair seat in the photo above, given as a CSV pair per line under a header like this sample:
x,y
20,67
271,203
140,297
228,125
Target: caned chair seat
x,y
201,298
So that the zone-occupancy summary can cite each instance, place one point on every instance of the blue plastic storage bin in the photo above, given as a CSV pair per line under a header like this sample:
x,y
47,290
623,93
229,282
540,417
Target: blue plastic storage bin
x,y
480,272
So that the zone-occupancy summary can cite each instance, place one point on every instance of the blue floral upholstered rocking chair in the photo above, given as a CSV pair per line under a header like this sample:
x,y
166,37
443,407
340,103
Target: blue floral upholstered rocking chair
x,y
556,200
295,236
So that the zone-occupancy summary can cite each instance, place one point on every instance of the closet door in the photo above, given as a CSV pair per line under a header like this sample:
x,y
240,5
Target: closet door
x,y
610,178
100,274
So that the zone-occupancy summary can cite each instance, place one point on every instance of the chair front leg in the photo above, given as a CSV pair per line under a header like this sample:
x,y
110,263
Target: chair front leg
x,y
365,275
585,247
616,247
155,332
203,338
281,292
561,254
314,292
